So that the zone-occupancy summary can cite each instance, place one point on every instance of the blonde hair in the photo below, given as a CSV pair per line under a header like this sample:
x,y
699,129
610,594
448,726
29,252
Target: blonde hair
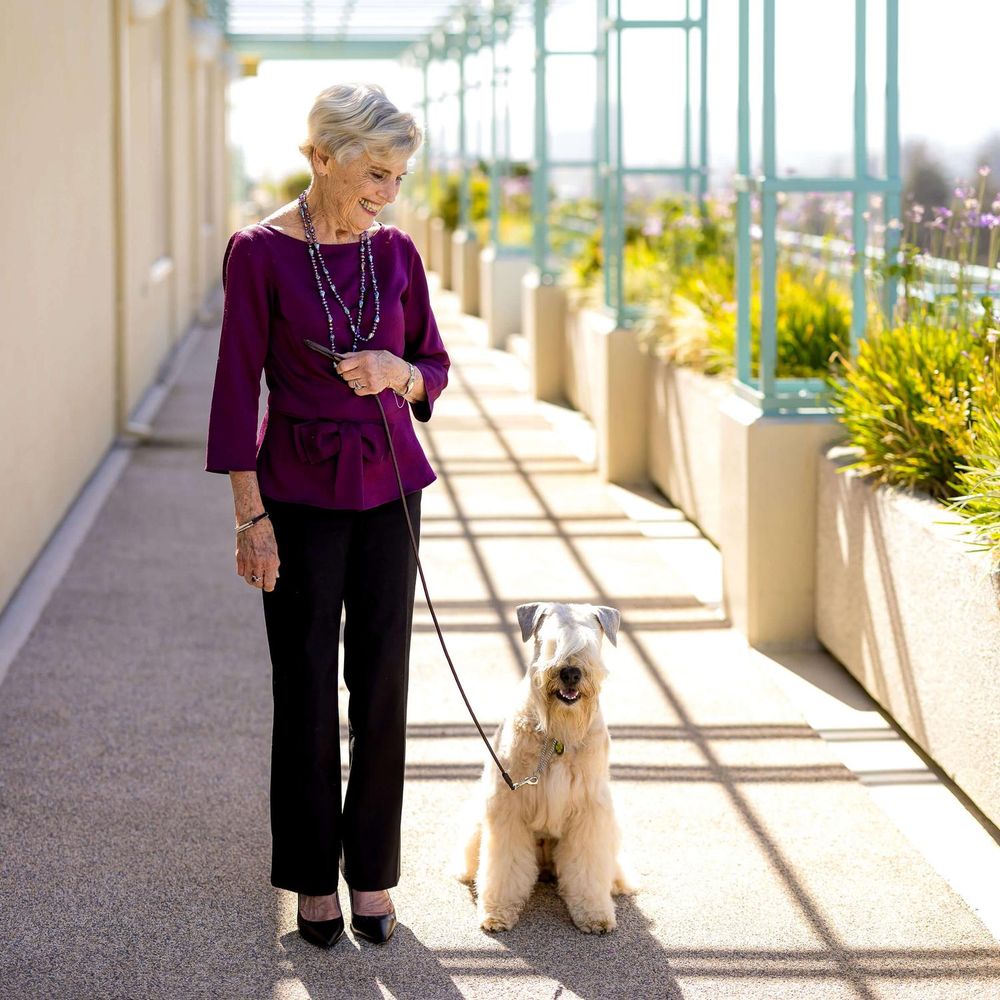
x,y
349,119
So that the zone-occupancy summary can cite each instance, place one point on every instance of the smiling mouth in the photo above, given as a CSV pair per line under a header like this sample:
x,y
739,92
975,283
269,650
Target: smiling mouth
x,y
568,695
369,207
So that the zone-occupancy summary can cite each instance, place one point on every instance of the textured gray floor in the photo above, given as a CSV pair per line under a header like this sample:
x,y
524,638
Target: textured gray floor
x,y
134,732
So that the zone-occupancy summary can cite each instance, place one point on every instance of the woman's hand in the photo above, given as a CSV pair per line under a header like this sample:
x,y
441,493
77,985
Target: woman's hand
x,y
370,372
257,556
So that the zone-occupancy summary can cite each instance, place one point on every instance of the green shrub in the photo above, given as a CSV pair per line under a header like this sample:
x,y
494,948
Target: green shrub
x,y
910,401
978,479
697,327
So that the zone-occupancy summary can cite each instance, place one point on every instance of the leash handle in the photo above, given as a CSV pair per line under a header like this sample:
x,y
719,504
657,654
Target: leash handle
x,y
335,357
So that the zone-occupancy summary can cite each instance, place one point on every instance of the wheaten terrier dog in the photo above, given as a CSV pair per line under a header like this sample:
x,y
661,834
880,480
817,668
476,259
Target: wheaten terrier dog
x,y
563,824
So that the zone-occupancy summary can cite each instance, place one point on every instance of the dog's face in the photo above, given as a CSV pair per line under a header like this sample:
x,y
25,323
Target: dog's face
x,y
567,669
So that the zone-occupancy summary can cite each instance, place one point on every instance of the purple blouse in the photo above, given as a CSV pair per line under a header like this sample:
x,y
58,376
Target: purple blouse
x,y
319,443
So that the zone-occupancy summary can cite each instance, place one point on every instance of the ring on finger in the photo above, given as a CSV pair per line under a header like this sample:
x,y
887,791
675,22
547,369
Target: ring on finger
x,y
254,578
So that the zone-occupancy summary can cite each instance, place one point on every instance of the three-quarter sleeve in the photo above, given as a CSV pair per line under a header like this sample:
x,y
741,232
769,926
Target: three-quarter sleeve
x,y
424,346
243,346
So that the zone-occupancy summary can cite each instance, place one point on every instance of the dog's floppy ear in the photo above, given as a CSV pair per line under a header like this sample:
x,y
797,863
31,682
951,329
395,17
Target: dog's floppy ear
x,y
609,619
529,617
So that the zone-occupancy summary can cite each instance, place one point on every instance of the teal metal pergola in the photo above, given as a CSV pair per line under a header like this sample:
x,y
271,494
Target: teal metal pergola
x,y
615,161
765,389
463,51
327,29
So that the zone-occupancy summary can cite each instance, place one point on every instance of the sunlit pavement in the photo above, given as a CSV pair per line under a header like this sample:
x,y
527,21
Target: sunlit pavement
x,y
135,727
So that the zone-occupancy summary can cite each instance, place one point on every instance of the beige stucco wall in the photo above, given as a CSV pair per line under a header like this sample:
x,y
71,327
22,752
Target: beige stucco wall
x,y
99,276
57,265
685,441
767,534
914,614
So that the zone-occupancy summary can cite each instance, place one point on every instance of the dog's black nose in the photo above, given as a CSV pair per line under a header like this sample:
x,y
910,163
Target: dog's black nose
x,y
570,676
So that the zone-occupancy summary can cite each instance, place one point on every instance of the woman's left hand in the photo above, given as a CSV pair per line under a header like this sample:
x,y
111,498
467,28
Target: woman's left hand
x,y
370,372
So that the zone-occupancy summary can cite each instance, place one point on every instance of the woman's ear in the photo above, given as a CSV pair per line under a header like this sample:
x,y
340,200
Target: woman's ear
x,y
319,163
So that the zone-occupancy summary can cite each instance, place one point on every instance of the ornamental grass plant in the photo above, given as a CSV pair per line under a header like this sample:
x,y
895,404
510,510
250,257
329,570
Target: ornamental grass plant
x,y
911,401
978,484
920,400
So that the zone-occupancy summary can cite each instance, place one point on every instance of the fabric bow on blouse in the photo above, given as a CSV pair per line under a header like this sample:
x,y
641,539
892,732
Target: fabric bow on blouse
x,y
351,443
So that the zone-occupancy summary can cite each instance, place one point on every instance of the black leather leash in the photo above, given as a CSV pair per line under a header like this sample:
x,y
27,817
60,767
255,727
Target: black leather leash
x,y
336,358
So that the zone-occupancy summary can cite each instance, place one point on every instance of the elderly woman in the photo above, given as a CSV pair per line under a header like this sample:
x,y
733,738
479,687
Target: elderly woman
x,y
315,494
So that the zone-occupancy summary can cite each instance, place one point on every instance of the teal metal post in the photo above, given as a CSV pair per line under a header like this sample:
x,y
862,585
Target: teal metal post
x,y
703,106
495,23
893,206
540,167
425,158
859,226
687,96
463,173
769,218
744,247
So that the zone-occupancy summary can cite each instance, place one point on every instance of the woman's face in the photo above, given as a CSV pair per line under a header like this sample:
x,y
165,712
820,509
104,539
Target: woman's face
x,y
359,189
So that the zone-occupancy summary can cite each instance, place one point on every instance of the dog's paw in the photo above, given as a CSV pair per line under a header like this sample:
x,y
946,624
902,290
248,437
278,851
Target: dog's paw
x,y
597,925
594,919
500,920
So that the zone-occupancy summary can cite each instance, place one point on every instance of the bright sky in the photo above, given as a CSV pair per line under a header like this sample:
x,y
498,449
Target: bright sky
x,y
949,88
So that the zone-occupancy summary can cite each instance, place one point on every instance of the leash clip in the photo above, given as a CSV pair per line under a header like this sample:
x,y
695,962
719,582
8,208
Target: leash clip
x,y
533,780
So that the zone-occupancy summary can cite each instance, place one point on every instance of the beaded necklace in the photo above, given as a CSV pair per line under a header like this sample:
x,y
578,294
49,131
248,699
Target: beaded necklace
x,y
316,258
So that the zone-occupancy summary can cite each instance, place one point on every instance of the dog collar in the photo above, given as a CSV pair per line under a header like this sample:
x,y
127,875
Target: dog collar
x,y
549,747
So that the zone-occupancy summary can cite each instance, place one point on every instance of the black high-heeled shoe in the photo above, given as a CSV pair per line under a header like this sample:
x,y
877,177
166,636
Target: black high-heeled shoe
x,y
322,933
374,928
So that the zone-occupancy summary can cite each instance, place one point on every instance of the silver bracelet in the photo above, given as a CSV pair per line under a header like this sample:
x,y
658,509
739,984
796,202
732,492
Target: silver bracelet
x,y
251,522
409,381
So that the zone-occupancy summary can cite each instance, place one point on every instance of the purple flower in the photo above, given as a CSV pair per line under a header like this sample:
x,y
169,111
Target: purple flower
x,y
942,213
989,221
653,226
984,171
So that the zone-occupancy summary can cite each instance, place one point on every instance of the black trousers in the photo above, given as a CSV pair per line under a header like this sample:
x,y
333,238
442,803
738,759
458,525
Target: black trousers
x,y
360,562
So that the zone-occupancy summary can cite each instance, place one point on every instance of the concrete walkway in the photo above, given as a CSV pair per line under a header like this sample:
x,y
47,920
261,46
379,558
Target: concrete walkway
x,y
135,723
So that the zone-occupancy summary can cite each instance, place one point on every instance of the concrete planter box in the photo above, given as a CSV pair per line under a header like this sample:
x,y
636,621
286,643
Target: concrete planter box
x,y
500,293
914,615
607,378
465,271
420,221
685,441
580,353
441,250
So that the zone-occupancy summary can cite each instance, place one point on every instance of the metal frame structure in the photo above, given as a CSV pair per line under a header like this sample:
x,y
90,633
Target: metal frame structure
x,y
447,31
783,395
614,169
503,15
543,255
